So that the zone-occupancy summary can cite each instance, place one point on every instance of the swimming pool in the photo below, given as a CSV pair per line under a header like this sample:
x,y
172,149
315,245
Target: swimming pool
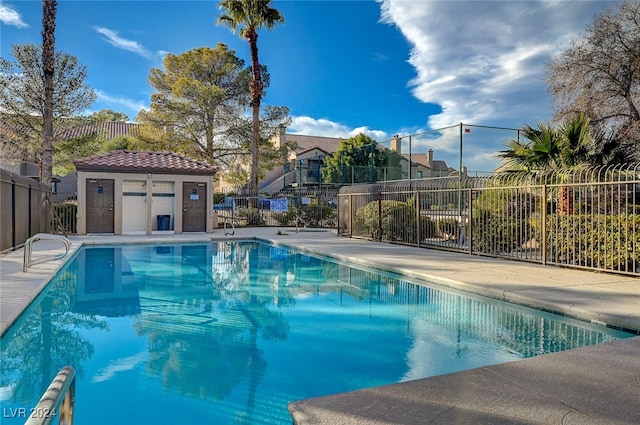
x,y
231,332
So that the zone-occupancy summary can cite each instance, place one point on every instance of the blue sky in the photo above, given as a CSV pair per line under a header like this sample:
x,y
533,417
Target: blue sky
x,y
342,67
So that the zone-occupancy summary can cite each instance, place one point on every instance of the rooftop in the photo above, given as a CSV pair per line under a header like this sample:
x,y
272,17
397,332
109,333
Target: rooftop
x,y
109,130
143,161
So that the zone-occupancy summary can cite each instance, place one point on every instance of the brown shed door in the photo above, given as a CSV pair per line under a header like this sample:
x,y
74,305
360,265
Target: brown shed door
x,y
194,207
99,206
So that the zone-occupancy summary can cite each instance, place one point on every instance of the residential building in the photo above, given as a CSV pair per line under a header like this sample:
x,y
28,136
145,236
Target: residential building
x,y
422,164
302,169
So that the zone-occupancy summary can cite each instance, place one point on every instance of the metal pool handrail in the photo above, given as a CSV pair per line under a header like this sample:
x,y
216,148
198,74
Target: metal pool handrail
x,y
233,227
28,249
57,402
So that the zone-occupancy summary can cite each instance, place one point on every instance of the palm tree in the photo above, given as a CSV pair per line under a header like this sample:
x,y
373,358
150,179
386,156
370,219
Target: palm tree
x,y
540,149
49,9
248,16
549,148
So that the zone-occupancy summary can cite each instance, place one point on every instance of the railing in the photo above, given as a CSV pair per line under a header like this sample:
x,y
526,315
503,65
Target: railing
x,y
308,209
57,402
28,249
228,220
582,218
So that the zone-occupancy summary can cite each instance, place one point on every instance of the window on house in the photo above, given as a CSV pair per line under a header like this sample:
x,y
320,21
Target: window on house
x,y
419,174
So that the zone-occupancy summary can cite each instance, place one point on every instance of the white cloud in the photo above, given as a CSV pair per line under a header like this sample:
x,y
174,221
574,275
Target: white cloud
x,y
120,365
113,37
327,128
9,16
484,62
132,107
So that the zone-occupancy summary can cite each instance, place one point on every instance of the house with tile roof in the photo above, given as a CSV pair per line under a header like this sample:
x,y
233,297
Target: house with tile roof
x,y
302,168
140,192
422,165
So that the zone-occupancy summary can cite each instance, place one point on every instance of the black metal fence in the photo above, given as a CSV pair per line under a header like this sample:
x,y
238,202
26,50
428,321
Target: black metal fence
x,y
583,218
305,208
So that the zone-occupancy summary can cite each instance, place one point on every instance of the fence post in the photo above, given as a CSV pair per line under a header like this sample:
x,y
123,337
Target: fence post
x,y
13,212
371,164
380,216
350,215
419,233
470,219
543,242
29,211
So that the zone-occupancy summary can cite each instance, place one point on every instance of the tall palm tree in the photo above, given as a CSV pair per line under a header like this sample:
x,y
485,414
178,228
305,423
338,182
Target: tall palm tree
x,y
248,16
49,9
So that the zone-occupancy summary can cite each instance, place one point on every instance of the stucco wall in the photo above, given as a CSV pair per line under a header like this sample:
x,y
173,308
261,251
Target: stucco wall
x,y
154,205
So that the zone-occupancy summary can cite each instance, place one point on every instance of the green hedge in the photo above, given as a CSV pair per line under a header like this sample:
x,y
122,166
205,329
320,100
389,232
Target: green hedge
x,y
498,234
318,215
398,222
285,218
594,240
253,216
504,220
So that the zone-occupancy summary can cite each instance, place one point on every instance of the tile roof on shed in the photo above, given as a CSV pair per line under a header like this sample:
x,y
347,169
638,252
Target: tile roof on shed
x,y
143,162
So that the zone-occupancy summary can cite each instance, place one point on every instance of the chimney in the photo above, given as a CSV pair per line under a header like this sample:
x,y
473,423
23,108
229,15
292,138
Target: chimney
x,y
396,144
281,136
430,157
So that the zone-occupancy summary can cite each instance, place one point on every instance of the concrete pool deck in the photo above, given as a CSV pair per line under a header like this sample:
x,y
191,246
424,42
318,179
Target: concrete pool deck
x,y
593,385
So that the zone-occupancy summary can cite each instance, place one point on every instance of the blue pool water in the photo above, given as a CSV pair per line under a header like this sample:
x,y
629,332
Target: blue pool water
x,y
227,333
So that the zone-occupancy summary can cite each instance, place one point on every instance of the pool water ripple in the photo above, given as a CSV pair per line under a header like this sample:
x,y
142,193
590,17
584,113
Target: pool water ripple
x,y
231,332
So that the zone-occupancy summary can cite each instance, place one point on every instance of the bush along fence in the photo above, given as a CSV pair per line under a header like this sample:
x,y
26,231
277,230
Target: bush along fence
x,y
581,218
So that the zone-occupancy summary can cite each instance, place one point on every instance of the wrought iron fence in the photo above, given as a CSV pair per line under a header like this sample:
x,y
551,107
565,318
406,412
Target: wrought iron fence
x,y
304,208
309,208
583,218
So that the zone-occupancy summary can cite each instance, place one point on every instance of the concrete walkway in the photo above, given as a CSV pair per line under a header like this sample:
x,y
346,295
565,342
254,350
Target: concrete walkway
x,y
594,385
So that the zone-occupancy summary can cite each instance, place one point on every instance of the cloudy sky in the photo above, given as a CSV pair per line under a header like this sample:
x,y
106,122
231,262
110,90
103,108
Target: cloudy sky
x,y
406,67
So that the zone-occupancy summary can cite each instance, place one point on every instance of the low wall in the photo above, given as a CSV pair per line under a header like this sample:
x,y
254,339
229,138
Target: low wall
x,y
24,209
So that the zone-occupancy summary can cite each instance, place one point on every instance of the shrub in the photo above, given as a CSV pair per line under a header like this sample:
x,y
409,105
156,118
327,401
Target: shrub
x,y
317,215
427,228
252,216
498,234
503,220
602,241
398,222
285,218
